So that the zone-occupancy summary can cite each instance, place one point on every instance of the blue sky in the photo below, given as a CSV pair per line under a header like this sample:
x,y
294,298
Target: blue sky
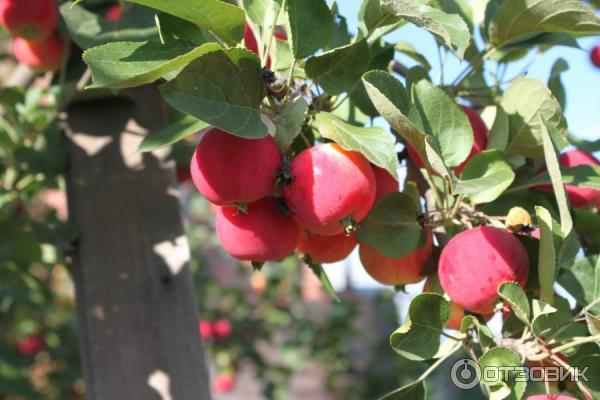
x,y
582,81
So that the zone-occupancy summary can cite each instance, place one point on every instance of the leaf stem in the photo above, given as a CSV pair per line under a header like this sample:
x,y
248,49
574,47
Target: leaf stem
x,y
476,63
265,54
566,346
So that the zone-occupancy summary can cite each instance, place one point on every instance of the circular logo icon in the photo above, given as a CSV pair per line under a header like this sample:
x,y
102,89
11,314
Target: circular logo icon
x,y
465,374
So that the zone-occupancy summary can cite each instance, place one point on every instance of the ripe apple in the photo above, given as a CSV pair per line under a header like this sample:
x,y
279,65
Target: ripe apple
x,y
40,56
475,262
33,20
250,39
205,329
550,397
228,169
595,56
114,13
480,137
330,189
396,271
261,233
223,383
385,182
326,249
31,345
183,174
579,197
222,329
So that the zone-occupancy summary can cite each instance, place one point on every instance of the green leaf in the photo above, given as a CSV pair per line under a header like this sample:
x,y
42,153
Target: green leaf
x,y
514,295
552,323
585,145
506,385
256,10
484,334
88,29
587,225
555,84
18,243
391,100
544,41
127,64
485,177
592,363
419,338
339,70
547,254
593,323
222,88
566,221
375,21
289,122
374,143
341,35
444,122
381,56
173,29
221,18
516,19
414,391
173,133
458,7
581,281
391,226
311,26
525,101
587,176
499,133
322,275
449,29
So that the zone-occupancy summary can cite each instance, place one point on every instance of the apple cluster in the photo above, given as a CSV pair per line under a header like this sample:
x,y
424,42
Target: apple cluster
x,y
265,213
268,208
34,26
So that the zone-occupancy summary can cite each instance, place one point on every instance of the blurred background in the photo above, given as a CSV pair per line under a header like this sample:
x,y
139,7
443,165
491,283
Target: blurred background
x,y
273,334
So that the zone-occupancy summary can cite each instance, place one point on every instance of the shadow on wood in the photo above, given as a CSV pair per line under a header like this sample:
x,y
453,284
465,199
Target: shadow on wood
x,y
135,295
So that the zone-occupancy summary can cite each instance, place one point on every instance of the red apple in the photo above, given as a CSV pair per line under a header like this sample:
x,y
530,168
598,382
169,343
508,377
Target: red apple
x,y
385,182
595,56
579,196
261,233
114,13
30,19
475,262
223,383
228,169
31,345
396,271
40,56
250,39
326,249
330,188
222,329
205,329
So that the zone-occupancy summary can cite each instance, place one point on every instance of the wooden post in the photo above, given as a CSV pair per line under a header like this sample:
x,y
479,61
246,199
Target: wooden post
x,y
136,300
